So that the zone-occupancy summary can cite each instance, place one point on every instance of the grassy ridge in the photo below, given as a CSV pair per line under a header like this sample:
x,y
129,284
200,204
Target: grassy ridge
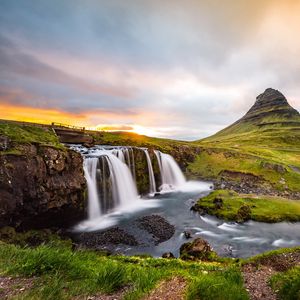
x,y
272,154
23,134
133,139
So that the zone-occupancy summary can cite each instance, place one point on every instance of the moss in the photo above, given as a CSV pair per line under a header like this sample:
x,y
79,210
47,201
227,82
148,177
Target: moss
x,y
20,134
242,207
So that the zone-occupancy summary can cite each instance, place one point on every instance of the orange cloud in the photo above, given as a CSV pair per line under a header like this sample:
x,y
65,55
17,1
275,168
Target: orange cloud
x,y
37,115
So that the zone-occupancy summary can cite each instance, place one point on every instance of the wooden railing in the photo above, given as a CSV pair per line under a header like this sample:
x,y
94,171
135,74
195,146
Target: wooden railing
x,y
66,126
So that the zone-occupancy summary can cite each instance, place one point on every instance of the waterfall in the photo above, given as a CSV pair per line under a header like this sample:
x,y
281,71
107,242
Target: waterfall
x,y
171,175
133,164
110,176
119,154
90,169
118,190
124,191
151,174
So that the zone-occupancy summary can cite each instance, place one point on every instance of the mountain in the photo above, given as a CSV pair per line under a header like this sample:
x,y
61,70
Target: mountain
x,y
262,146
271,121
271,110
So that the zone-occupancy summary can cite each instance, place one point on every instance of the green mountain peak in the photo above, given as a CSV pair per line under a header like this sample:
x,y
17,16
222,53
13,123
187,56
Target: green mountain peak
x,y
270,112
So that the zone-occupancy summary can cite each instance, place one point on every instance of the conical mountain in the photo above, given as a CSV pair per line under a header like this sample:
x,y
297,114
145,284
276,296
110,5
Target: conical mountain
x,y
271,112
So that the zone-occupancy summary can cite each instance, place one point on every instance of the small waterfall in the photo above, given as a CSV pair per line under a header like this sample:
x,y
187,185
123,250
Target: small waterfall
x,y
119,154
90,170
124,191
109,181
171,175
151,174
132,164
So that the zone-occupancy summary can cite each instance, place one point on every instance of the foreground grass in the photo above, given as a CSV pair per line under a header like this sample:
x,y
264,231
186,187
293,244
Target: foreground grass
x,y
262,208
287,284
61,273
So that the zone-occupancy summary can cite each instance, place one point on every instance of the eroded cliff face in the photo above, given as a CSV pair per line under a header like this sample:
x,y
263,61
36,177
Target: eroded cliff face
x,y
41,187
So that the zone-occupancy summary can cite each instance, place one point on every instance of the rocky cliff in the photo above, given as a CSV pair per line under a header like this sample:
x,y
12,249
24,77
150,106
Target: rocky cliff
x,y
41,186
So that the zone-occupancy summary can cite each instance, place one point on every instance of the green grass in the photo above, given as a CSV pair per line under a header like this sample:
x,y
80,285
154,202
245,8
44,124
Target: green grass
x,y
219,286
263,208
133,139
287,284
260,162
248,147
257,259
21,134
61,273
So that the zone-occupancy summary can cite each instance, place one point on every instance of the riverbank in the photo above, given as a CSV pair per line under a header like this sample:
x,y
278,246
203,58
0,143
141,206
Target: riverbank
x,y
231,206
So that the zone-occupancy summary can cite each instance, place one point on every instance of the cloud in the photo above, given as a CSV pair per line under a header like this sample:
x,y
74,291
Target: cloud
x,y
181,68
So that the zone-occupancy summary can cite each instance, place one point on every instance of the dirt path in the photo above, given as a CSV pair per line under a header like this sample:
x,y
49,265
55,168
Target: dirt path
x,y
173,289
13,286
257,275
119,295
256,282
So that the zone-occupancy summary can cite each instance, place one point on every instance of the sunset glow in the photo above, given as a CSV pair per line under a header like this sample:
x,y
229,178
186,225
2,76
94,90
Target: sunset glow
x,y
157,68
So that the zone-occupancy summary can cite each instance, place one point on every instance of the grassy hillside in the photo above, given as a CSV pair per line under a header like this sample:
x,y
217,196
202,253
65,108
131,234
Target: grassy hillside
x,y
264,145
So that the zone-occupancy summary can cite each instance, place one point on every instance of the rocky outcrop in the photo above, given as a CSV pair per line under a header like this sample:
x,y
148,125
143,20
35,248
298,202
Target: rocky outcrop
x,y
40,187
268,103
184,155
197,249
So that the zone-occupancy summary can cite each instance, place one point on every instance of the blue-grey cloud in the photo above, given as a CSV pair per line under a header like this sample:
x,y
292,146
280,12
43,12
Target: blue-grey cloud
x,y
198,65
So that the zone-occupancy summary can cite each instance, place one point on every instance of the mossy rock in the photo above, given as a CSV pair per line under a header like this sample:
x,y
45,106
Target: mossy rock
x,y
198,249
243,214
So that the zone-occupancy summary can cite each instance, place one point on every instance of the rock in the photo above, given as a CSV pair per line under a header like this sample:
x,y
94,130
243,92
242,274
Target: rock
x,y
112,236
43,187
168,255
218,202
7,233
4,143
275,167
243,214
187,234
197,249
158,227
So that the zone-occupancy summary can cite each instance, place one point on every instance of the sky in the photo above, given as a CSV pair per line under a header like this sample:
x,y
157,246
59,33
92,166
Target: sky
x,y
180,69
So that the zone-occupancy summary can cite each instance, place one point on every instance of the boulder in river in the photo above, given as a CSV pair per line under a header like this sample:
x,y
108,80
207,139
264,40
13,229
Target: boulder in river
x,y
197,249
156,225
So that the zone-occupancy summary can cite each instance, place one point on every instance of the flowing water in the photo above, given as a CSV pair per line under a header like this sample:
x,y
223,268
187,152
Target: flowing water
x,y
115,201
152,189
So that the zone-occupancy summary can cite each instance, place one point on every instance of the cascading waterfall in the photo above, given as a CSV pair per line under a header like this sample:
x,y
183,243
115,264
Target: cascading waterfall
x,y
124,191
110,176
171,175
90,171
151,173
